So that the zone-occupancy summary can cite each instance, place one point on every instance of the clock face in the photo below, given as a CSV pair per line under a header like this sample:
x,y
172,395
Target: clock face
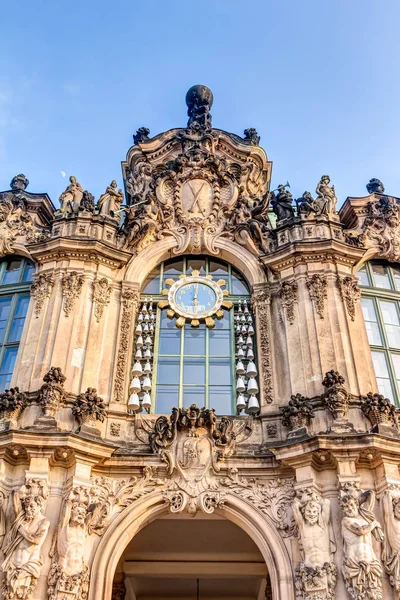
x,y
195,297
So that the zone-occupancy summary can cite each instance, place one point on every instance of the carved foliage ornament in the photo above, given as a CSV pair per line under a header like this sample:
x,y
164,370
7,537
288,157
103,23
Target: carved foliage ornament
x,y
317,286
379,410
72,284
298,413
350,293
52,392
101,296
12,403
89,407
260,304
41,289
288,296
273,497
130,300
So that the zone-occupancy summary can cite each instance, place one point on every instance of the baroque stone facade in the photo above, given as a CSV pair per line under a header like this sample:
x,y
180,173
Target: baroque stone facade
x,y
310,476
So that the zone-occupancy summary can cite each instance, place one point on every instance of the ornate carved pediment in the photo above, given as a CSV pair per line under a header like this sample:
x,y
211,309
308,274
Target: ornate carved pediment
x,y
374,222
197,184
23,216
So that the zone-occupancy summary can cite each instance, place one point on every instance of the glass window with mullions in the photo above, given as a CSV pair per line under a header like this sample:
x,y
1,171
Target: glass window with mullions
x,y
15,280
380,282
194,365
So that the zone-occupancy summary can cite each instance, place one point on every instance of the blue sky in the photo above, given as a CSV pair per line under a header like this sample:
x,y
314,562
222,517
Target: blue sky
x,y
319,79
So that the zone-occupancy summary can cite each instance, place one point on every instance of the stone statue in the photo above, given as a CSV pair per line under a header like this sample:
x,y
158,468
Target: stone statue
x,y
361,568
19,182
317,572
375,186
199,100
253,222
70,199
142,220
87,202
391,552
251,136
23,542
68,571
142,135
109,203
307,205
326,195
282,203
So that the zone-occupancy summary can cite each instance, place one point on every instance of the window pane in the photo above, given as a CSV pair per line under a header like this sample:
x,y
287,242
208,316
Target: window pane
x,y
173,269
220,371
168,370
7,367
381,276
382,374
392,324
166,322
238,286
170,341
194,370
371,324
195,341
152,283
220,343
194,395
363,275
11,274
220,399
5,304
167,397
396,364
28,272
218,268
196,263
396,276
224,323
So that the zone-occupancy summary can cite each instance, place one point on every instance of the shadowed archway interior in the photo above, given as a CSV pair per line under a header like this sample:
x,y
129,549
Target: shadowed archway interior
x,y
177,556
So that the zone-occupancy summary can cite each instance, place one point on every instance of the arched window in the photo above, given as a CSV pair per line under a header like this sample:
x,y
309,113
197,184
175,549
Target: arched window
x,y
15,280
380,283
192,365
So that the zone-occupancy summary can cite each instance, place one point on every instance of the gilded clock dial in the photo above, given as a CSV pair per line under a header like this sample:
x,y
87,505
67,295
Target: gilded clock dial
x,y
195,298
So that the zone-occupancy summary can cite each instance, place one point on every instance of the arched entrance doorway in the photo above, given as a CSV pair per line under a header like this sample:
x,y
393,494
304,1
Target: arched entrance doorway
x,y
206,557
256,525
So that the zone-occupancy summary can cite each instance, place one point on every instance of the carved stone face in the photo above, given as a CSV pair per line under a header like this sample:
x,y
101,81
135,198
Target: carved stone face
x,y
350,507
311,512
396,510
31,508
78,514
